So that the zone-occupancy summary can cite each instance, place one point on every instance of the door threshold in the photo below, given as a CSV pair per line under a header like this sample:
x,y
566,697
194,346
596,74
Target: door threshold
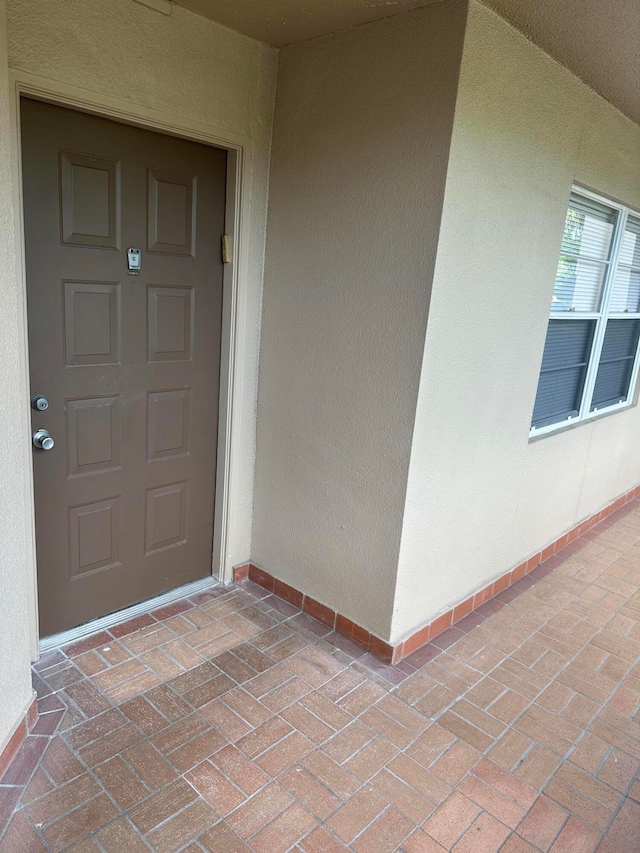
x,y
104,622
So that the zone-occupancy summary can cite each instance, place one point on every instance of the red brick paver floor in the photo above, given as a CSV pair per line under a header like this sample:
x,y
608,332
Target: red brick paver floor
x,y
231,722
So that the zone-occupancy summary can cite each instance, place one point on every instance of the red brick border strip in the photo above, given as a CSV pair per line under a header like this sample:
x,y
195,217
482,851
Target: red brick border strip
x,y
17,738
560,549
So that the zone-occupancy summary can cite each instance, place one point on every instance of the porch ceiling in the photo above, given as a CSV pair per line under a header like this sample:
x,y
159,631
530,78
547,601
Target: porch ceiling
x,y
283,22
599,41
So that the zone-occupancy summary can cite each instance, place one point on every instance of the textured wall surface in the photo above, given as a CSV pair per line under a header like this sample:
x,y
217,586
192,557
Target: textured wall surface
x,y
187,67
182,64
15,680
480,496
361,137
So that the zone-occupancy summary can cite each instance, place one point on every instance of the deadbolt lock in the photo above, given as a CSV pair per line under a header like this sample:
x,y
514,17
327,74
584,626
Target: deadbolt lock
x,y
39,403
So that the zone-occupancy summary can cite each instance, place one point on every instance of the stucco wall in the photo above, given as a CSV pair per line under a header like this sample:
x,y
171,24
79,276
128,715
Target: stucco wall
x,y
480,496
361,136
183,66
15,681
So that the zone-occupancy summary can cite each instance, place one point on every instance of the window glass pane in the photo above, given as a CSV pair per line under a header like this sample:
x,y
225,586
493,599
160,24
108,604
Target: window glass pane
x,y
588,228
586,244
625,295
616,363
630,248
578,285
564,367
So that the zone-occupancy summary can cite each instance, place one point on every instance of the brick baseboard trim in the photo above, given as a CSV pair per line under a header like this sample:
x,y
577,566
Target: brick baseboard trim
x,y
16,740
551,556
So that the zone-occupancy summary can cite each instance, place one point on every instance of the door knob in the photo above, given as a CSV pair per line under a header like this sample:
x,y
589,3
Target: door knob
x,y
43,440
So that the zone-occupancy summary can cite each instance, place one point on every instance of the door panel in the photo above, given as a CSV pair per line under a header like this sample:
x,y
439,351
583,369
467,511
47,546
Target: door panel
x,y
171,199
92,322
89,191
129,363
93,435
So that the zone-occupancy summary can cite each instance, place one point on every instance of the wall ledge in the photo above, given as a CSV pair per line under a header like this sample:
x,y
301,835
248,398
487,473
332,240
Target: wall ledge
x,y
543,561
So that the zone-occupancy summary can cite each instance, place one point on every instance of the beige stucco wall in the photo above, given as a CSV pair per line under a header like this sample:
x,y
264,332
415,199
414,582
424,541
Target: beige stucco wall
x,y
186,69
361,136
179,69
480,496
15,682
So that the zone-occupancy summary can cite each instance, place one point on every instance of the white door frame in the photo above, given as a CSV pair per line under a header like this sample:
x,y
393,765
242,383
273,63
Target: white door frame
x,y
239,152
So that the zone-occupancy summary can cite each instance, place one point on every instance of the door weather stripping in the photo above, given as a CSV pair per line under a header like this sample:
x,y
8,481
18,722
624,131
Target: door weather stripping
x,y
105,622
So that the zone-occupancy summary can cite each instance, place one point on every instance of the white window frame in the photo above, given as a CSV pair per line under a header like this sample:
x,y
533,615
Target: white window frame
x,y
601,317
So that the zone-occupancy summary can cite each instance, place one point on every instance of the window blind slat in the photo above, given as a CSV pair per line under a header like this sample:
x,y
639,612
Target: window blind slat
x,y
578,285
625,295
626,285
588,228
616,363
564,367
590,207
630,248
586,246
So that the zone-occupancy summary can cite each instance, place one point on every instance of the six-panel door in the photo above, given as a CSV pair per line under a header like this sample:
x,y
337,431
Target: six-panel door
x,y
129,363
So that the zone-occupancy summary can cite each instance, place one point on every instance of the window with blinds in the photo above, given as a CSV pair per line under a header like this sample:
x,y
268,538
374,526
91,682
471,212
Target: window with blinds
x,y
590,359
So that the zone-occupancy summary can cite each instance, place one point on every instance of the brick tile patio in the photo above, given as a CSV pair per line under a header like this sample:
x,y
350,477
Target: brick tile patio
x,y
231,721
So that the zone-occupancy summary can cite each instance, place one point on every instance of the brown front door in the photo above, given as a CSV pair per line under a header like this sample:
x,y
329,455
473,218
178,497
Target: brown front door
x,y
128,363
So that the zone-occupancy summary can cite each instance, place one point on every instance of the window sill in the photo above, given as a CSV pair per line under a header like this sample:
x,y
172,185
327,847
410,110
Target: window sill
x,y
578,423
